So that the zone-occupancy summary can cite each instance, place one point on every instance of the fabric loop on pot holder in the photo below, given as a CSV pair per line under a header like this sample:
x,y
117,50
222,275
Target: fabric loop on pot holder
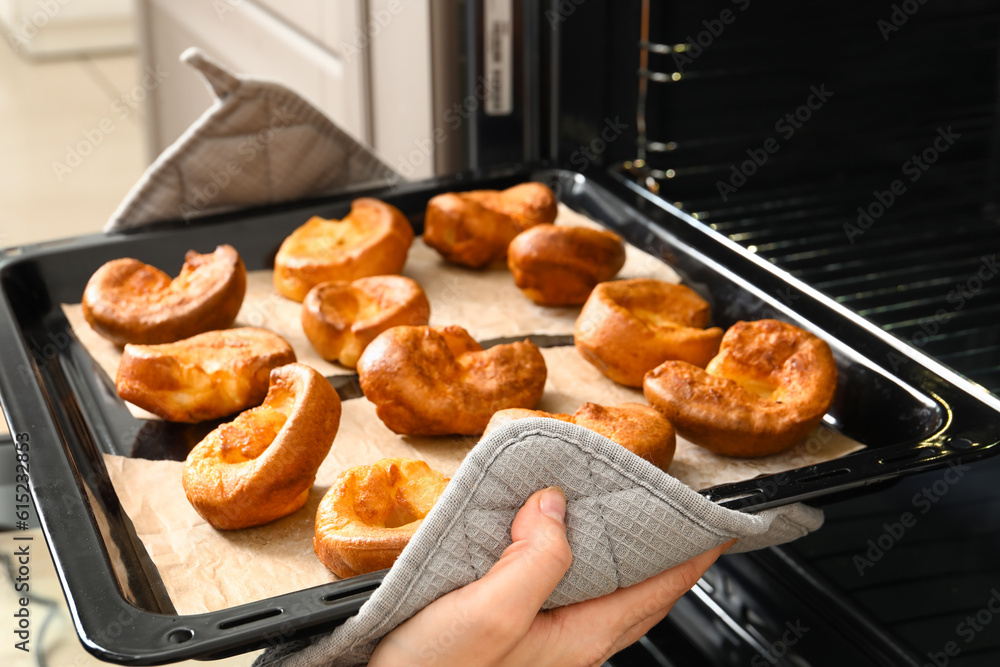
x,y
222,82
626,520
258,143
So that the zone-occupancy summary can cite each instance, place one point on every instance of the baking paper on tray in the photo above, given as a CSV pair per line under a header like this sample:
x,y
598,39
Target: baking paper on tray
x,y
456,295
206,570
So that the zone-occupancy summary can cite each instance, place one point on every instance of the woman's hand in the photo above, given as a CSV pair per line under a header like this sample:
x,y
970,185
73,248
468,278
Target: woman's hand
x,y
497,620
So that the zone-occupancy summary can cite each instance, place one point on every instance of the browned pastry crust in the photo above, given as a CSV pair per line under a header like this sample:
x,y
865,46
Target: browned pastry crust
x,y
559,266
636,427
373,239
207,376
127,301
370,513
766,390
528,204
439,381
628,327
474,228
260,466
340,318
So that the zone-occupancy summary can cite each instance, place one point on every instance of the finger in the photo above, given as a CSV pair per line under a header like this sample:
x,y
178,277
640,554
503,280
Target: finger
x,y
538,557
635,604
628,613
466,620
529,569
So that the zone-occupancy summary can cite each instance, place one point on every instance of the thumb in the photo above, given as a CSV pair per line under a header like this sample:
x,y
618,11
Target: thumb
x,y
533,564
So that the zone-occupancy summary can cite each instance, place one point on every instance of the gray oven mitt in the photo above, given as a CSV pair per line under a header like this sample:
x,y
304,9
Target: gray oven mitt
x,y
258,143
626,521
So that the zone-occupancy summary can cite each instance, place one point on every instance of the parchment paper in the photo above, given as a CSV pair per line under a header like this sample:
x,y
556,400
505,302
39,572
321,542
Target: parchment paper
x,y
485,302
206,570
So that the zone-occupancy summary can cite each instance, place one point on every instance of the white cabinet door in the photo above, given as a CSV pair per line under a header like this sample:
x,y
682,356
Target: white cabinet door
x,y
396,35
304,15
248,39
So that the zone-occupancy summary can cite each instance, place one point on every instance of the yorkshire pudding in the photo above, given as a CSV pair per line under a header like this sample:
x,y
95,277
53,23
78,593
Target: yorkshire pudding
x,y
370,513
559,266
439,381
474,228
260,466
207,376
127,301
767,389
340,319
636,427
628,327
373,239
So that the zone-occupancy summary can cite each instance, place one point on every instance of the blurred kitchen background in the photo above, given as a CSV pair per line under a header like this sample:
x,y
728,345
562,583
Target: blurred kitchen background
x,y
65,67
92,90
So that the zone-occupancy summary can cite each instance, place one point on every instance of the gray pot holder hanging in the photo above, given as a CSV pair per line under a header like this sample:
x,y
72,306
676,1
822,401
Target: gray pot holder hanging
x,y
258,143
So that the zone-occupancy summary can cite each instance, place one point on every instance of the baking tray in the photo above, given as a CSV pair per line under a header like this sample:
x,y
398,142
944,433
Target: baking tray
x,y
912,413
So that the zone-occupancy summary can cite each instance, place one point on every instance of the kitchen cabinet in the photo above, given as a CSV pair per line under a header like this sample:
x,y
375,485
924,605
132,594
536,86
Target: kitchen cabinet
x,y
44,29
365,63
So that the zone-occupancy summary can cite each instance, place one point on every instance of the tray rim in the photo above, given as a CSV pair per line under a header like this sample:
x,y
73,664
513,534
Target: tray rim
x,y
318,613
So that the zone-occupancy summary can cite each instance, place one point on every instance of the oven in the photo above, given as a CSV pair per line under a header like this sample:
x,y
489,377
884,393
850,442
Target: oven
x,y
850,153
854,146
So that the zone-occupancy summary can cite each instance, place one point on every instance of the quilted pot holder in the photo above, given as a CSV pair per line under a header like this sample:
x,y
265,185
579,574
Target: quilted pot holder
x,y
626,520
258,143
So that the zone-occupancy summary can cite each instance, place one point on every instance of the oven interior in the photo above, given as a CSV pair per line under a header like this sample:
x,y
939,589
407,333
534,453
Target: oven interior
x,y
854,146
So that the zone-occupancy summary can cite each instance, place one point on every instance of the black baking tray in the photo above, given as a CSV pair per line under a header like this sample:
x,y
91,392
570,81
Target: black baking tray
x,y
912,413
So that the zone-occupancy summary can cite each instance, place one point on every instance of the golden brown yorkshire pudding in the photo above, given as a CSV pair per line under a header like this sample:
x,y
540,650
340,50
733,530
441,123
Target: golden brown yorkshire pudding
x,y
439,381
628,327
260,466
373,239
127,301
636,427
370,513
767,389
559,266
528,204
207,376
474,228
340,319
